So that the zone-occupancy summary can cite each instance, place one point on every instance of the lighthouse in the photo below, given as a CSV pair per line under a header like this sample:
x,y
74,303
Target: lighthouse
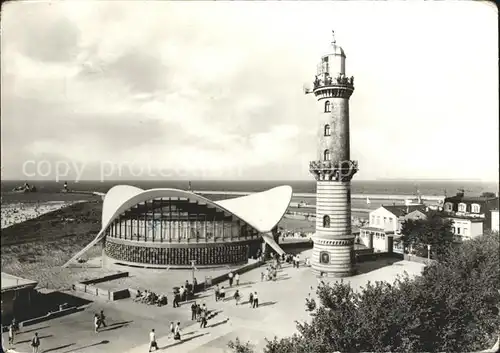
x,y
333,251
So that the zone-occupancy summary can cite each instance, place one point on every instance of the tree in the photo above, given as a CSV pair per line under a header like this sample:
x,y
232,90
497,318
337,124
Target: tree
x,y
488,194
451,307
434,230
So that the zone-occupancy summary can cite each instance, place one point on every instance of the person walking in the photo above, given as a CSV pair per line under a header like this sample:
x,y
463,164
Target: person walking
x,y
177,332
216,291
35,343
250,299
96,323
182,292
11,334
237,279
172,328
176,300
230,276
203,321
198,312
255,300
101,319
194,309
222,294
237,296
152,340
195,285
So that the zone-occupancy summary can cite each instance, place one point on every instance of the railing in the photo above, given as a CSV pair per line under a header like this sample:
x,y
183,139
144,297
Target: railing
x,y
329,81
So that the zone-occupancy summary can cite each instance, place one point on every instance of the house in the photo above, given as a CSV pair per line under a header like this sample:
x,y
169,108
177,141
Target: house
x,y
385,223
494,220
471,215
17,296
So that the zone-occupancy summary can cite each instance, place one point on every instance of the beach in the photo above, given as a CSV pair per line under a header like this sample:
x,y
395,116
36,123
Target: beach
x,y
14,213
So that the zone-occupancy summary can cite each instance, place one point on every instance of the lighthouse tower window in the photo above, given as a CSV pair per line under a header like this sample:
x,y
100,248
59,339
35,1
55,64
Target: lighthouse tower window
x,y
327,130
326,221
326,155
328,107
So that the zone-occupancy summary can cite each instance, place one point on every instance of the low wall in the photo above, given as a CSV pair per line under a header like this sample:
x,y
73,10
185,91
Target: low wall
x,y
89,287
306,244
421,260
377,256
106,278
225,276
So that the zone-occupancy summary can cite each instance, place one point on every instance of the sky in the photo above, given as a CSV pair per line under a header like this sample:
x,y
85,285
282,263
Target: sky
x,y
214,90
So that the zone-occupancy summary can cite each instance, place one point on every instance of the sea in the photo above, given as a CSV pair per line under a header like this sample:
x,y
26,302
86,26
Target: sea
x,y
385,187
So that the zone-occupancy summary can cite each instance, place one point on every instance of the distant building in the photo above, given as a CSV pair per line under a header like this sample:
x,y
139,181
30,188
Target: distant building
x,y
494,220
17,295
471,215
385,225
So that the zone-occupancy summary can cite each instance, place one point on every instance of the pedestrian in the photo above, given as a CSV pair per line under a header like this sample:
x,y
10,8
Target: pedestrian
x,y
195,285
216,291
198,312
194,309
203,321
11,334
96,323
182,293
35,343
204,309
177,332
222,293
101,319
237,296
250,299
172,329
255,300
230,276
176,300
152,340
237,279
298,261
262,275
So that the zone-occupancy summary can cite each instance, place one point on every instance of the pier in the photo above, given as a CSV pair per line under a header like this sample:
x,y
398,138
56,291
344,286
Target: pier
x,y
313,195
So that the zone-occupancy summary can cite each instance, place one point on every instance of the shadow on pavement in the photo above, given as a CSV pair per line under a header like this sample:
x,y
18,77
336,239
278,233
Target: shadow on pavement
x,y
56,348
266,304
182,341
218,323
34,329
40,337
88,346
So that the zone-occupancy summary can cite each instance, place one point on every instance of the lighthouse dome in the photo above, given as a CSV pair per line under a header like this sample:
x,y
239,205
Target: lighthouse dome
x,y
337,50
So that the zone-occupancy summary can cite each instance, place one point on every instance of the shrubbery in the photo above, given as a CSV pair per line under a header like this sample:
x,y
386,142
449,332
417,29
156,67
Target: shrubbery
x,y
451,307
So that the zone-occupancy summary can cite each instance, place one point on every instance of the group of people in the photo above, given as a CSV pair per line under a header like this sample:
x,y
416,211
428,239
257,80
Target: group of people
x,y
99,320
151,298
175,331
200,314
14,328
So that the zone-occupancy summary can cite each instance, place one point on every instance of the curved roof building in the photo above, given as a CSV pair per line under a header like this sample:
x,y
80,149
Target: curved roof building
x,y
171,227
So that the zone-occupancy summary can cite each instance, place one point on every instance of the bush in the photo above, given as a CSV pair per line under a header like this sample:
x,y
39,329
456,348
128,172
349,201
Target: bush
x,y
451,307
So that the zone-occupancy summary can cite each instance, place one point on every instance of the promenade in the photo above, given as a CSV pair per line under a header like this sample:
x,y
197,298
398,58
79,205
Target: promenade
x,y
129,323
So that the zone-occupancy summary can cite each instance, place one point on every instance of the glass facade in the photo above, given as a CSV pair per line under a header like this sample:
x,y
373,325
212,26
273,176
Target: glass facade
x,y
179,220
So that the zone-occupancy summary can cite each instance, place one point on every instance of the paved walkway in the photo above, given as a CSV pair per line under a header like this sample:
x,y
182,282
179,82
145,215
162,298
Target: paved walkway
x,y
281,303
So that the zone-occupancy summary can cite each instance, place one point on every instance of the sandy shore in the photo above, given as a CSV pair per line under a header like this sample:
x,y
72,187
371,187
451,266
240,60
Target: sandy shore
x,y
14,213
